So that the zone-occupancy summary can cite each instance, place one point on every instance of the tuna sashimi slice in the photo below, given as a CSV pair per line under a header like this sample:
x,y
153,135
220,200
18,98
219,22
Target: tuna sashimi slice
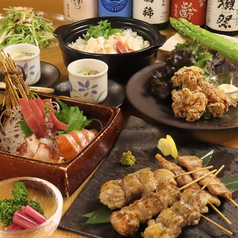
x,y
30,118
39,114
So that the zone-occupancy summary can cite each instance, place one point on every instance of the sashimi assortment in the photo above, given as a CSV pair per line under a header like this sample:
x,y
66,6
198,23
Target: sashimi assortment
x,y
48,138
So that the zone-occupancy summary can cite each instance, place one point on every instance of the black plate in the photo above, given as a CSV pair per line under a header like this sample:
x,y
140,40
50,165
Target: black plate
x,y
142,138
140,96
115,97
49,75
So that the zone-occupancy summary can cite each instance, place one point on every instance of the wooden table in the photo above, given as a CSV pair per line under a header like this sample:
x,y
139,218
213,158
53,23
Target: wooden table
x,y
224,137
53,56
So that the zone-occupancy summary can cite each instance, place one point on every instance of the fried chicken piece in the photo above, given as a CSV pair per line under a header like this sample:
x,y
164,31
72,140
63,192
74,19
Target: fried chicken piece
x,y
189,104
197,96
188,77
218,102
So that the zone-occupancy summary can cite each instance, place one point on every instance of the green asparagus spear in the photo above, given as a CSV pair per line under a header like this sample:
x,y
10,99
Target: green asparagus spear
x,y
207,38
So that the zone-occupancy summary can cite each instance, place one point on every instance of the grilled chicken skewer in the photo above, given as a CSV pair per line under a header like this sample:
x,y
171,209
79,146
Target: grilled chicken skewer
x,y
127,220
170,221
119,193
186,179
215,186
185,212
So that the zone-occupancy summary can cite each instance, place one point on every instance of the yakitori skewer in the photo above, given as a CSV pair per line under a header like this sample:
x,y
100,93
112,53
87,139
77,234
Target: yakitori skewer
x,y
127,220
120,192
177,170
184,212
215,186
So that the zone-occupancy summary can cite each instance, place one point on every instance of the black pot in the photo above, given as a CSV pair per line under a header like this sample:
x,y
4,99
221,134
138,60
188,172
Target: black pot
x,y
121,66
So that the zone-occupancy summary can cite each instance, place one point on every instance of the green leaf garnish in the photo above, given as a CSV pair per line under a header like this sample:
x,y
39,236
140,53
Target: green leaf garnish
x,y
102,29
25,128
206,157
72,116
231,183
102,215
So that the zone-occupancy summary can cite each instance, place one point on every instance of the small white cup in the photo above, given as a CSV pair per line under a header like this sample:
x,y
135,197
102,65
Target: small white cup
x,y
88,88
30,63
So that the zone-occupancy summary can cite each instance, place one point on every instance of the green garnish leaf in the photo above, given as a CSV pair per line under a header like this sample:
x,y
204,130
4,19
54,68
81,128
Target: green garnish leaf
x,y
231,183
25,128
206,157
88,214
102,215
72,116
103,29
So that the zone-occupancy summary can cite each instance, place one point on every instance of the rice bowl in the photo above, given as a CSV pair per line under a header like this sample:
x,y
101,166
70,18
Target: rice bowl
x,y
121,66
101,45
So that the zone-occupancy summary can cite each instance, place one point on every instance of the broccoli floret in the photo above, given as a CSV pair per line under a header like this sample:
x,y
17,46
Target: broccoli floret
x,y
9,206
128,158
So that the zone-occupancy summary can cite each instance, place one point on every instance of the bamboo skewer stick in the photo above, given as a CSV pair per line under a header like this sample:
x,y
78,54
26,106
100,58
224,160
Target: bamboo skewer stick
x,y
190,172
206,218
214,207
198,179
213,176
219,213
231,200
216,224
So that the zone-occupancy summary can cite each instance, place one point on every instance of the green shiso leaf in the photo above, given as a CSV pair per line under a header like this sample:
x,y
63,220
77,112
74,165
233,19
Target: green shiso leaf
x,y
102,215
72,116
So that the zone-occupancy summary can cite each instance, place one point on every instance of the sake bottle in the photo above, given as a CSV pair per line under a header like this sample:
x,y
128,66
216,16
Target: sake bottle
x,y
222,17
192,10
155,12
117,8
81,9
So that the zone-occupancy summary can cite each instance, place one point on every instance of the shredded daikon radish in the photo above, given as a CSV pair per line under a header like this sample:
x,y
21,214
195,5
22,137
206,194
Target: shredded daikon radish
x,y
11,134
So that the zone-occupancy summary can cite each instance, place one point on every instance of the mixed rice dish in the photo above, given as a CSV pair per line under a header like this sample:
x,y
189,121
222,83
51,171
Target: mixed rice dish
x,y
125,42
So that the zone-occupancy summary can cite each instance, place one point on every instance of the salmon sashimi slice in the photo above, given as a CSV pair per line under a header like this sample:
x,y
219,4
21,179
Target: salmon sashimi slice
x,y
71,144
83,137
67,146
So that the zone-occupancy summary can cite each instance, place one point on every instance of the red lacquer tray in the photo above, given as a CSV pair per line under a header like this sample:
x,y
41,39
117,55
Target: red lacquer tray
x,y
70,175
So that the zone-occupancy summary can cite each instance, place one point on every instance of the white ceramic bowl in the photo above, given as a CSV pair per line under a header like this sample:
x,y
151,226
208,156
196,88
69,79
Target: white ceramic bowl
x,y
92,88
30,64
48,196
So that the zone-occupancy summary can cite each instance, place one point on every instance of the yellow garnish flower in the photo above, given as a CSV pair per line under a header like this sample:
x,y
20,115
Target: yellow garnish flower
x,y
168,147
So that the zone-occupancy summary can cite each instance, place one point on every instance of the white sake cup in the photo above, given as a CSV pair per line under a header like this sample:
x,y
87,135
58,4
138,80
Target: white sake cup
x,y
88,88
30,64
